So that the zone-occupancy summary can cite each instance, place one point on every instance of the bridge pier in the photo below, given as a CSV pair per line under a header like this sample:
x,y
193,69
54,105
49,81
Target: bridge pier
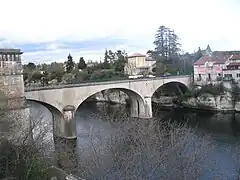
x,y
148,107
64,123
141,108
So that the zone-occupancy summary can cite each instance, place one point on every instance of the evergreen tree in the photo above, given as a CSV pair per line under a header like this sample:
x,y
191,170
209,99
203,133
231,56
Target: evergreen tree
x,y
167,43
112,57
82,64
198,54
106,63
31,66
69,64
120,61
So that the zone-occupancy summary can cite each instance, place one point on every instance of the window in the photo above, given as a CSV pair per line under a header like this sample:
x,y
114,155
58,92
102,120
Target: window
x,y
199,77
238,75
228,75
209,77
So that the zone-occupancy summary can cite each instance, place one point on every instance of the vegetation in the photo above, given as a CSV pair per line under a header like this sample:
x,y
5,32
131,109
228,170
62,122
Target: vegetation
x,y
82,65
214,90
167,53
136,150
69,64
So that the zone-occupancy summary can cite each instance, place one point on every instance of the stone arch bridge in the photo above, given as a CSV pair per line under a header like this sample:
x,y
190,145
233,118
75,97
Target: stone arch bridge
x,y
63,101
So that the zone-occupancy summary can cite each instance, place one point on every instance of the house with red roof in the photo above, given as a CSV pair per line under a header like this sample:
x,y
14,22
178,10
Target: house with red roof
x,y
232,67
209,68
139,64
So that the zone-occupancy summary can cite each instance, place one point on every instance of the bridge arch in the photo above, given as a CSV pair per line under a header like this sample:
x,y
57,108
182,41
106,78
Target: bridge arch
x,y
176,87
137,103
61,127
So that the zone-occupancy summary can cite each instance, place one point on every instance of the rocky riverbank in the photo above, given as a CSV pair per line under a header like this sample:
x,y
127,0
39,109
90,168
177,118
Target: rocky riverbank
x,y
224,97
119,97
116,97
211,98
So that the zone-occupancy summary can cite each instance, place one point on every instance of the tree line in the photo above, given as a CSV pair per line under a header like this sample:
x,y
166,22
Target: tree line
x,y
167,53
112,67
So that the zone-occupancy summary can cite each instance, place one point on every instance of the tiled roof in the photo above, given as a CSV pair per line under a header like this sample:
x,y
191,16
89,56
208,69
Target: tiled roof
x,y
215,59
202,60
234,64
234,57
137,55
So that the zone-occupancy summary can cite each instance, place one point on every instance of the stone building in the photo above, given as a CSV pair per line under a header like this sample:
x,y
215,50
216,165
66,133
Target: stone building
x,y
14,122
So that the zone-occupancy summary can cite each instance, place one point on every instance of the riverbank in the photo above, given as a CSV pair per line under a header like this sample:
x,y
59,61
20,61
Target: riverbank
x,y
216,98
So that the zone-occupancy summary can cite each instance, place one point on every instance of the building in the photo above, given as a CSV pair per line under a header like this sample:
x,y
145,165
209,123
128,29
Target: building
x,y
209,68
139,64
231,70
207,51
10,61
14,114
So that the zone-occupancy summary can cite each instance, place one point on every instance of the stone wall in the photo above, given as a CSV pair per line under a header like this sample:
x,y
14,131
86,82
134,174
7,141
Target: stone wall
x,y
14,114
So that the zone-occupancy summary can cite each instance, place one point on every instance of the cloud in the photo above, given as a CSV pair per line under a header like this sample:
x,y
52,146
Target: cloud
x,y
49,30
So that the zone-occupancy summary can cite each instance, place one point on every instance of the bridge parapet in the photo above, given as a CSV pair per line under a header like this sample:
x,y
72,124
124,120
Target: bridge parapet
x,y
38,88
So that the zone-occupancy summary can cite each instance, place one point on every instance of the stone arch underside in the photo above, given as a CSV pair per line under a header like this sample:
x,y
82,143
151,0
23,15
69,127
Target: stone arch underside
x,y
137,103
63,127
175,86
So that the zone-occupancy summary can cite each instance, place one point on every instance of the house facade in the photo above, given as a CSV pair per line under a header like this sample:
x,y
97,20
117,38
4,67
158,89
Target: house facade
x,y
209,69
139,64
232,68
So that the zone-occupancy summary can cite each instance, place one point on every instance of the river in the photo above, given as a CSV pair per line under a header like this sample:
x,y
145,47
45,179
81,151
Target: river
x,y
94,124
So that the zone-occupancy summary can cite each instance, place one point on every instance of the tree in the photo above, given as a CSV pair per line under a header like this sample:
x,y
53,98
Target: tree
x,y
106,63
69,64
31,66
120,61
198,54
45,78
160,41
55,67
111,56
82,64
36,76
145,150
68,78
167,44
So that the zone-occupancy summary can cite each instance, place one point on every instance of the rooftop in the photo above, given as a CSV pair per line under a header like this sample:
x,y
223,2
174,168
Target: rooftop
x,y
234,57
10,51
219,59
137,55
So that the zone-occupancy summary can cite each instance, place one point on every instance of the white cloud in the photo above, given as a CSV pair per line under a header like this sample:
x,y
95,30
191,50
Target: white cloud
x,y
198,23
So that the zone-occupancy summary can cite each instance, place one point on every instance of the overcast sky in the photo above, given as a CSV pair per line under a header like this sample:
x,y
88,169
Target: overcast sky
x,y
47,30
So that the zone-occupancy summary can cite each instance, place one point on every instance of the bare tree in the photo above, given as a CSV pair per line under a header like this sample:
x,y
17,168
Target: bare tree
x,y
23,154
143,149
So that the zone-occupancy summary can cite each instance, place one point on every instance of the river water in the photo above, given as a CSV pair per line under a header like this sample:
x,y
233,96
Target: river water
x,y
93,122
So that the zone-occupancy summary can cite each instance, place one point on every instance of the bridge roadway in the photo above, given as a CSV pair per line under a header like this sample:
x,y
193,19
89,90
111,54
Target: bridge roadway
x,y
39,88
64,100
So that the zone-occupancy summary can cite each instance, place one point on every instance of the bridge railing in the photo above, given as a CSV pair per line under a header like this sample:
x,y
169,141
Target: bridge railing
x,y
37,88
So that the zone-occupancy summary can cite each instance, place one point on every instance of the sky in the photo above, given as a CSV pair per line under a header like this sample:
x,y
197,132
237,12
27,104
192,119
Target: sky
x,y
48,31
